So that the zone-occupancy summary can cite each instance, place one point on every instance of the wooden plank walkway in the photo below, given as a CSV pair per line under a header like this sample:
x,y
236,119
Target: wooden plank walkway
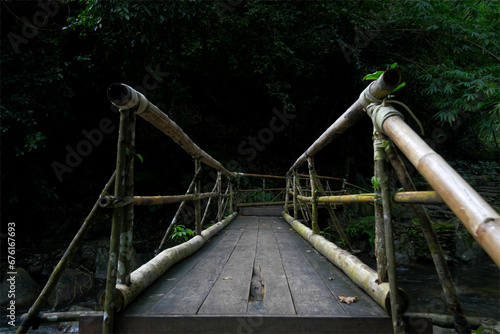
x,y
256,276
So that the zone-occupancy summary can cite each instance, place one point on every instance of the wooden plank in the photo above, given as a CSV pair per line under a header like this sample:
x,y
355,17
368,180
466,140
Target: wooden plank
x,y
242,324
279,224
310,295
338,283
230,292
239,223
192,290
261,210
276,296
172,277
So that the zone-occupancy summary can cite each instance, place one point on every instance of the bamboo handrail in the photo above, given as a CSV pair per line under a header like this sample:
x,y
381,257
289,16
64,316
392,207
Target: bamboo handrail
x,y
115,201
125,97
480,219
376,90
408,197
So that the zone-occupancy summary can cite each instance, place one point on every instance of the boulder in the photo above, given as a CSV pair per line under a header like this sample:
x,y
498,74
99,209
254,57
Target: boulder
x,y
26,290
73,285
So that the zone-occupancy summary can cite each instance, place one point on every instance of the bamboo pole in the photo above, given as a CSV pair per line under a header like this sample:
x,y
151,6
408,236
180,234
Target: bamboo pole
x,y
480,219
287,196
63,316
68,255
149,272
125,97
260,175
450,292
407,197
365,277
219,192
375,91
127,228
178,213
115,202
231,191
197,201
380,144
295,194
208,205
314,192
117,221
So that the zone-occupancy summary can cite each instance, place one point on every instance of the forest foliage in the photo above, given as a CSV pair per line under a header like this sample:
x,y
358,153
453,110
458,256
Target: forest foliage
x,y
195,58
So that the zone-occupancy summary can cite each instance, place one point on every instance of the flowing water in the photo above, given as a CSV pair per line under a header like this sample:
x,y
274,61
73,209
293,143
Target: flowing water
x,y
478,287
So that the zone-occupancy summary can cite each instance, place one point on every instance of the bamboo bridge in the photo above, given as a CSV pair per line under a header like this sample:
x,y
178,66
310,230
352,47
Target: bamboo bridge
x,y
264,266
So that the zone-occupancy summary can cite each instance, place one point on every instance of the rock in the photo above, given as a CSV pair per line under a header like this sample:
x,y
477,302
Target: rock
x,y
96,255
74,284
26,290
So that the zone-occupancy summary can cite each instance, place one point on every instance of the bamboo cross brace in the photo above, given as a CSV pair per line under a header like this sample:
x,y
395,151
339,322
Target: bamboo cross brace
x,y
178,213
64,261
438,257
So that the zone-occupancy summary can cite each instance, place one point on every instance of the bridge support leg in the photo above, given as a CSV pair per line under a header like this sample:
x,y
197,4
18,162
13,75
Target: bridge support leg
x,y
295,208
314,194
197,202
219,198
125,154
381,183
460,321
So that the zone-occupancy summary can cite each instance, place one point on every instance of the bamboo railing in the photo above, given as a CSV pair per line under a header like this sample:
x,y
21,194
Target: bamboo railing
x,y
481,220
123,285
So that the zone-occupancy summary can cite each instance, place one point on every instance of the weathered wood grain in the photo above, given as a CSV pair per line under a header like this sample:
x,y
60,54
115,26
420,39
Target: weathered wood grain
x,y
230,292
192,290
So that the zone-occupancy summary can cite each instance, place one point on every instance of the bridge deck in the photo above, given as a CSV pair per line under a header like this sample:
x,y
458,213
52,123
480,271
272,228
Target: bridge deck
x,y
256,276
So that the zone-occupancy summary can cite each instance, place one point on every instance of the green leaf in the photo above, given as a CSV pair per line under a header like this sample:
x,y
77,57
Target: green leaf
x,y
140,157
373,76
400,86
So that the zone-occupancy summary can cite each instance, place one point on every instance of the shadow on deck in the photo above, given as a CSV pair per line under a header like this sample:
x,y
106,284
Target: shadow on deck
x,y
256,276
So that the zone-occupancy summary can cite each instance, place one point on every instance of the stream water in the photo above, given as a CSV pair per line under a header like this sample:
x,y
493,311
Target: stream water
x,y
478,286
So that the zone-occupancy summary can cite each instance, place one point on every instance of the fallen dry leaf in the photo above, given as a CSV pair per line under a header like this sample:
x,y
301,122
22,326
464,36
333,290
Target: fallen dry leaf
x,y
227,278
331,278
347,300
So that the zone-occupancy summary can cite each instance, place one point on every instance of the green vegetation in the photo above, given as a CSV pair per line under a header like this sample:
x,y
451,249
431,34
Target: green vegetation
x,y
181,234
208,63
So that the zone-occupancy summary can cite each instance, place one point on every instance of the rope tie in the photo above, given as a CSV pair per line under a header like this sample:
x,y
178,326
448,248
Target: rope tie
x,y
380,146
366,97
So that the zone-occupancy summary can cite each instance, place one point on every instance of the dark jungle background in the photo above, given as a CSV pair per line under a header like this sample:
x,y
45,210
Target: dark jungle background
x,y
223,70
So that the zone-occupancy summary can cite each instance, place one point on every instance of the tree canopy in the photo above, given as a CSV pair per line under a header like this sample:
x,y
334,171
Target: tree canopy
x,y
221,69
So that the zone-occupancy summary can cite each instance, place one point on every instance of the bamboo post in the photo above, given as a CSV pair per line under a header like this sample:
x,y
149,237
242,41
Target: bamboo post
x,y
197,202
380,250
178,213
295,208
68,255
219,190
454,306
117,221
126,235
263,190
380,143
231,204
287,195
314,195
